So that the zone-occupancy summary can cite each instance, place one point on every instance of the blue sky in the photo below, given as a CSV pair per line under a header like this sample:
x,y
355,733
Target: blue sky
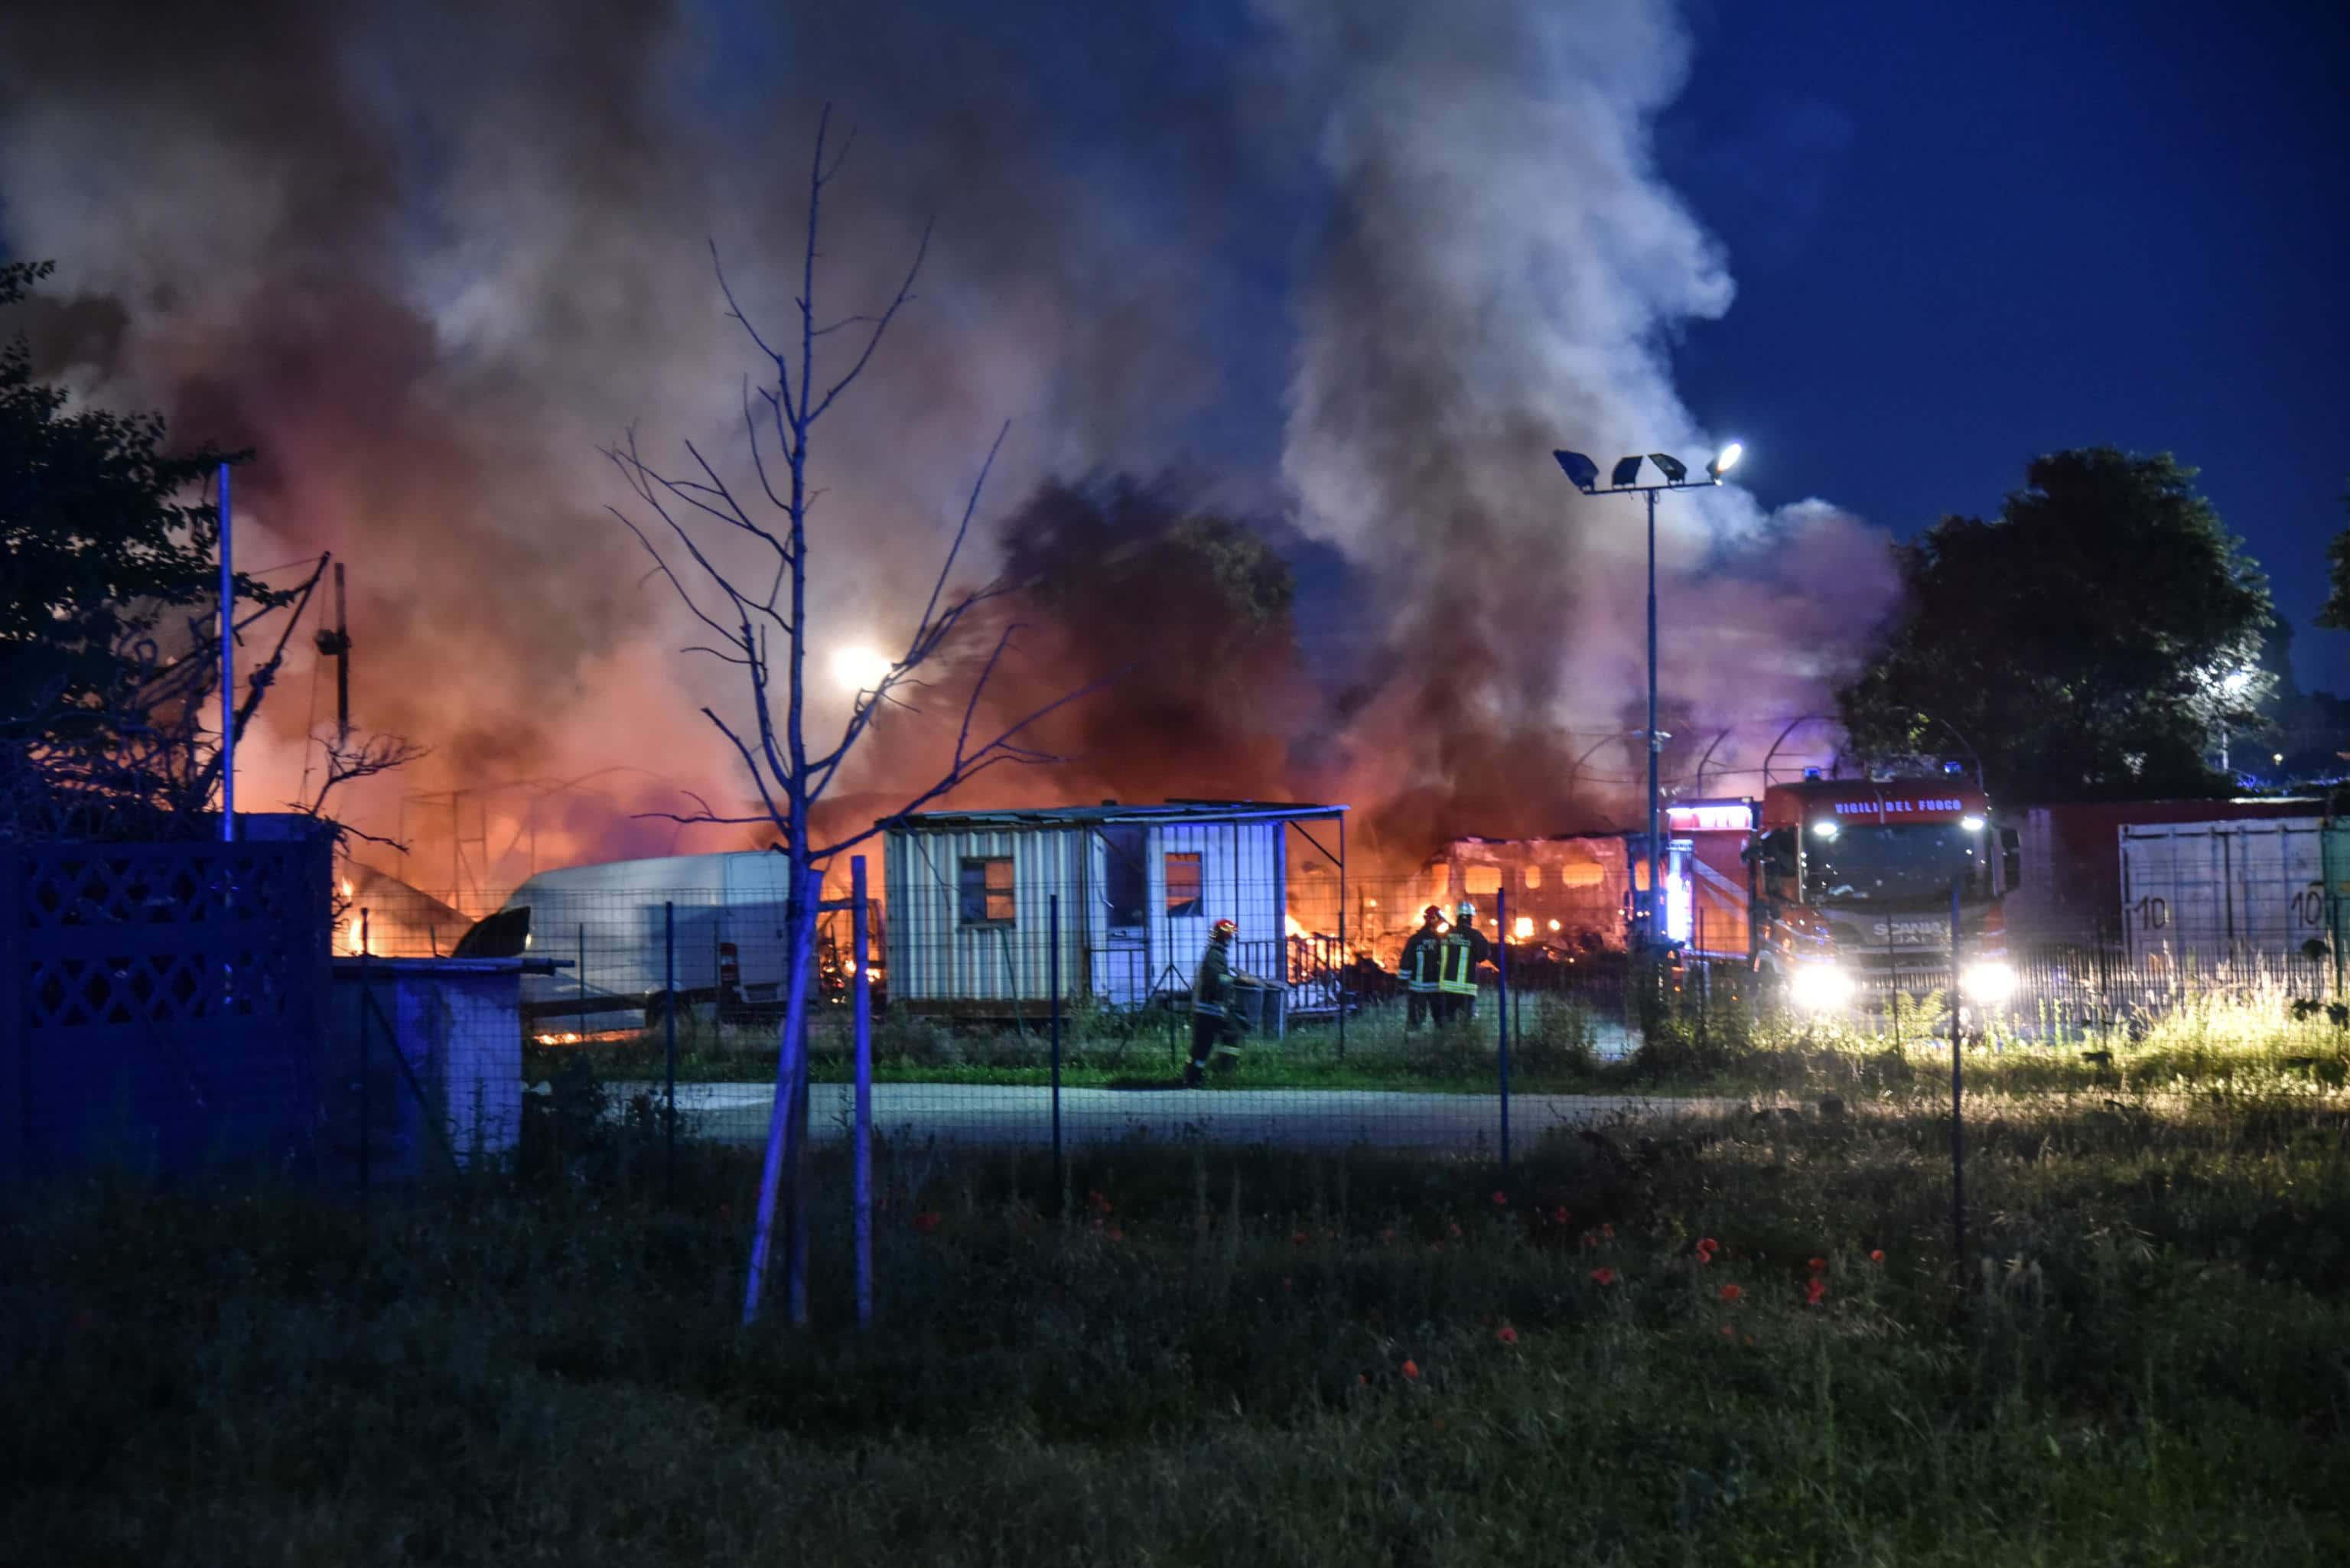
x,y
1965,234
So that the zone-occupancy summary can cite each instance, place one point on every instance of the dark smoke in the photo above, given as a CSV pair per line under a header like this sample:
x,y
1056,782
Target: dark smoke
x,y
427,257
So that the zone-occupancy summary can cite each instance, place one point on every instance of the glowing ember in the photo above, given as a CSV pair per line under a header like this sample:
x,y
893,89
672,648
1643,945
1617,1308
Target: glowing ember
x,y
1523,927
1290,924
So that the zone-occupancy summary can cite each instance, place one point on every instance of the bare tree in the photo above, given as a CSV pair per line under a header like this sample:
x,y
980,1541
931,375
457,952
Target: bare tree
x,y
757,618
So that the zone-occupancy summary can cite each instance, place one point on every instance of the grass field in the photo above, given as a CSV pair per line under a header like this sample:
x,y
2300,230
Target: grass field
x,y
2252,1040
1211,1357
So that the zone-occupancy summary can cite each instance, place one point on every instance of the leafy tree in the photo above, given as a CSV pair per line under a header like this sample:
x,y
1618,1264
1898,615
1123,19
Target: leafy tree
x,y
2337,611
2087,642
99,532
108,581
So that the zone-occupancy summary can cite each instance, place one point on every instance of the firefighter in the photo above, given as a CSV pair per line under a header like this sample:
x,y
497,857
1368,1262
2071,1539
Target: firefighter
x,y
1215,1032
1421,964
1465,947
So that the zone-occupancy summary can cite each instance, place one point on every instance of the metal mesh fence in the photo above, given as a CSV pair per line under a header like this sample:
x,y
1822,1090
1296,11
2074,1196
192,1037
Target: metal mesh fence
x,y
1024,989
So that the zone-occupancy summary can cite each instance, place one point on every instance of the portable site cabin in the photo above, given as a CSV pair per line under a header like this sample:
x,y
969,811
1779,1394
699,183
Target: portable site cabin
x,y
969,895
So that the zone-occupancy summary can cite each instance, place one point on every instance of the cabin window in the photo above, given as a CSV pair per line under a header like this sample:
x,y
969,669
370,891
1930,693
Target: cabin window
x,y
986,890
1533,875
1483,879
1185,885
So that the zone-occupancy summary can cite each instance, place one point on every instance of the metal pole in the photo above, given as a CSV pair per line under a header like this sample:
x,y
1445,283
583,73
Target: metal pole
x,y
1345,954
1053,973
1501,954
669,952
366,1107
1957,1106
583,982
227,671
1655,744
863,992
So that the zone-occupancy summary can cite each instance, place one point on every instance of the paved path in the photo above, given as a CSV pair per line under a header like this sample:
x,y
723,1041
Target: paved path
x,y
1294,1118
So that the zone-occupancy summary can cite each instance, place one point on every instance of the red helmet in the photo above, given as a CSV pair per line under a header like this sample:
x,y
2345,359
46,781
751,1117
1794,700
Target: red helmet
x,y
1224,930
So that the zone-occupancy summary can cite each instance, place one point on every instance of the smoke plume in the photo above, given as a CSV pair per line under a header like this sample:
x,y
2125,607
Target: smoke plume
x,y
1358,265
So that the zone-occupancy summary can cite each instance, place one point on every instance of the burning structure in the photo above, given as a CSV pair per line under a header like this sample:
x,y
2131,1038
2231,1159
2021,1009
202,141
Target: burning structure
x,y
971,895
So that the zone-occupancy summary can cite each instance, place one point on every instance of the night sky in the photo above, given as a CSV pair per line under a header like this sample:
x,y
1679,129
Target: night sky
x,y
1963,235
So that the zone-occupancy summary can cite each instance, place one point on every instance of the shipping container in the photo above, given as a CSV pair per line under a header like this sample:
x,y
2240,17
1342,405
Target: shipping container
x,y
970,898
2232,895
2068,892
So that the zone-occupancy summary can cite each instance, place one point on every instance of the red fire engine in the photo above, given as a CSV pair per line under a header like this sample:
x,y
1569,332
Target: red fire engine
x,y
1837,887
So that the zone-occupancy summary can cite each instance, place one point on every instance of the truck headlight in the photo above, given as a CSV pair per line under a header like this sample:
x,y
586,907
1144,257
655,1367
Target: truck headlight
x,y
1816,987
1990,983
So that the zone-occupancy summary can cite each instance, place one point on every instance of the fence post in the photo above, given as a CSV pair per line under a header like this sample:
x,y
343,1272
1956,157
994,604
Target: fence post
x,y
16,1040
366,1113
1053,970
1345,956
583,983
669,1043
1502,951
861,924
1957,1106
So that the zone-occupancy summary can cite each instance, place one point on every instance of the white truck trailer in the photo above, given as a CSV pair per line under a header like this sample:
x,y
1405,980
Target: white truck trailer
x,y
607,925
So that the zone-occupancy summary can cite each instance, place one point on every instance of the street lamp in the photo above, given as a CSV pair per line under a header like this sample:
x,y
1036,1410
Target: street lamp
x,y
1624,479
2235,683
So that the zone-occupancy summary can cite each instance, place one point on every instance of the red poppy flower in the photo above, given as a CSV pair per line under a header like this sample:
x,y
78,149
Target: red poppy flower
x,y
1706,1248
1453,1226
1499,1199
1728,1332
1506,1335
1815,1291
1608,1231
1411,1370
1297,1238
1588,1239
926,1222
1605,1276
1115,1234
1558,1216
1819,1265
1731,1293
1877,1256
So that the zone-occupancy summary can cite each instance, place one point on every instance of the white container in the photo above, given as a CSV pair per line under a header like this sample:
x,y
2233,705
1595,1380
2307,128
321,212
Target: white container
x,y
2236,893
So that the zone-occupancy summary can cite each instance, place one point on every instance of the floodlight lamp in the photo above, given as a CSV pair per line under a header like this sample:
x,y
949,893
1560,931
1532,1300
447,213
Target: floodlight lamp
x,y
2235,683
1628,472
1675,469
1581,471
1726,460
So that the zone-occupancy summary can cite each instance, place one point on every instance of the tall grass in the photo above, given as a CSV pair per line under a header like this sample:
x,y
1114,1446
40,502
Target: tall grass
x,y
1231,1357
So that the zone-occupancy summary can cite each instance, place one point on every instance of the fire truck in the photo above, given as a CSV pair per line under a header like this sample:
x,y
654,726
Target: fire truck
x,y
1842,889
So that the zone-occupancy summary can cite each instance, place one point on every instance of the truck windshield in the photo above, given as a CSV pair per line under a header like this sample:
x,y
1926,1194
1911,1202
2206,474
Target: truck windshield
x,y
1907,863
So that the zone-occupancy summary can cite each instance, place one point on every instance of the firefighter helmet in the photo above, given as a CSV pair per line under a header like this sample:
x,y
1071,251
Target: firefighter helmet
x,y
1433,912
1224,930
1466,912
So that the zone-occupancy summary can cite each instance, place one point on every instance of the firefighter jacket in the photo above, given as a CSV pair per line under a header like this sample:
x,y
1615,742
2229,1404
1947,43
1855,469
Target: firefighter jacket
x,y
1422,963
1464,949
1212,987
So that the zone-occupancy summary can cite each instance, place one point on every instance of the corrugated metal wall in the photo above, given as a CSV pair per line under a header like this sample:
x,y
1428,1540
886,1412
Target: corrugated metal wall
x,y
1244,878
934,959
2225,890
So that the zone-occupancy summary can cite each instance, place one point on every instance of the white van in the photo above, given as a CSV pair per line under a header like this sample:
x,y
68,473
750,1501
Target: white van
x,y
606,925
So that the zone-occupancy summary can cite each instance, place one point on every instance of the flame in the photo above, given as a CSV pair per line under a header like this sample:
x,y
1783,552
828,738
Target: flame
x,y
346,887
1290,924
1524,927
351,934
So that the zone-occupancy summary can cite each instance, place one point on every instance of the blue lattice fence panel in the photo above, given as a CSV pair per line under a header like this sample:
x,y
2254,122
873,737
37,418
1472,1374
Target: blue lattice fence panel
x,y
167,1002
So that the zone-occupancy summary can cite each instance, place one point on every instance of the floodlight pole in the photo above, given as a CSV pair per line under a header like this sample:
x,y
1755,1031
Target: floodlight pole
x,y
1656,744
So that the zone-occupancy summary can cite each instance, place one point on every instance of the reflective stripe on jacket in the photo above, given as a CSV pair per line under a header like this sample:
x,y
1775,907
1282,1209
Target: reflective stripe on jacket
x,y
1421,962
1211,986
1459,967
